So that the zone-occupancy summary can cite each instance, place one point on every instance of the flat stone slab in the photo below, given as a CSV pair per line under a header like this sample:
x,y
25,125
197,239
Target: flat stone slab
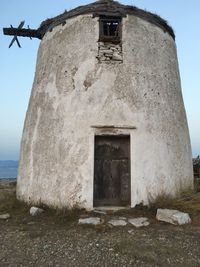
x,y
111,208
100,212
175,217
4,216
117,222
122,218
139,222
34,211
91,220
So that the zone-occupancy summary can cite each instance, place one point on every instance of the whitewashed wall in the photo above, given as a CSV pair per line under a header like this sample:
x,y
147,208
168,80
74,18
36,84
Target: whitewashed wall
x,y
73,95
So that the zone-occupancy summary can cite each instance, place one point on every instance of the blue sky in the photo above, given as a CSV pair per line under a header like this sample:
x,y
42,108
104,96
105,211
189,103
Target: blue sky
x,y
18,65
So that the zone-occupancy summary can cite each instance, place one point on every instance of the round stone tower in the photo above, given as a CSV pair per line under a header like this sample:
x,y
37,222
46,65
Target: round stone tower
x,y
106,124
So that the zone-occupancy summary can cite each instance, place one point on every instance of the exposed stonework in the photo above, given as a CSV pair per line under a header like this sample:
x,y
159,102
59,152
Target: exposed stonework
x,y
109,52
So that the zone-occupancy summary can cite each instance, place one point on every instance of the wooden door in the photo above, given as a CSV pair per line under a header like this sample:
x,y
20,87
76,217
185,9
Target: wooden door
x,y
112,171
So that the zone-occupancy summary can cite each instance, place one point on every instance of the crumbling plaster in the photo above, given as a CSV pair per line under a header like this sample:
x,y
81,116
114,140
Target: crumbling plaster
x,y
72,92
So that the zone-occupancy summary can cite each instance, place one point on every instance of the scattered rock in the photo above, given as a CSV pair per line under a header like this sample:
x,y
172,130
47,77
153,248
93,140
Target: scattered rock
x,y
5,216
34,211
117,222
100,212
31,223
91,220
139,222
122,218
173,216
83,216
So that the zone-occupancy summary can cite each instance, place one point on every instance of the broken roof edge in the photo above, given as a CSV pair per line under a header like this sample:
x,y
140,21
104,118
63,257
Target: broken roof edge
x,y
106,7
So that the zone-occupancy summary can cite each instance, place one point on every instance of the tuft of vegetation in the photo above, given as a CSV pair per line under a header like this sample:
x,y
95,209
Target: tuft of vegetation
x,y
189,202
197,185
9,203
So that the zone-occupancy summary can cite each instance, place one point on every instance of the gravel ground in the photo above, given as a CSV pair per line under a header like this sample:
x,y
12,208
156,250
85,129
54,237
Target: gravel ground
x,y
44,241
56,239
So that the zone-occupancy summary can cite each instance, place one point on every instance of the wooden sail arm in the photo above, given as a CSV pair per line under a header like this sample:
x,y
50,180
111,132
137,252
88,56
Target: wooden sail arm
x,y
22,32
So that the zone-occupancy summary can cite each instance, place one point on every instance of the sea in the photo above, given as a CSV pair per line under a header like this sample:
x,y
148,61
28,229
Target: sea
x,y
8,169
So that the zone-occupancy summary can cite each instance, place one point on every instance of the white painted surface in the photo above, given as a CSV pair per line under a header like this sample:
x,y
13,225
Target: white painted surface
x,y
57,149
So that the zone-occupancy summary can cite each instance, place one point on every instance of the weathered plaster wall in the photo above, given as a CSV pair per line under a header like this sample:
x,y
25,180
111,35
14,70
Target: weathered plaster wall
x,y
72,93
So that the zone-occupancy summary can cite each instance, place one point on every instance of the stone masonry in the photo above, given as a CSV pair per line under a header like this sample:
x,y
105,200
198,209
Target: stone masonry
x,y
109,52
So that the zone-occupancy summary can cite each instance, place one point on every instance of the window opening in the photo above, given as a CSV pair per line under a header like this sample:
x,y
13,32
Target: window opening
x,y
110,29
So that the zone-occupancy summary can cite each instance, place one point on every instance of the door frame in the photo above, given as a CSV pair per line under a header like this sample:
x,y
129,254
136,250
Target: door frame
x,y
125,140
112,131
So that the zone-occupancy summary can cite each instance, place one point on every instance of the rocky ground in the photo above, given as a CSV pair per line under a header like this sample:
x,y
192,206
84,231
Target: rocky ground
x,y
54,238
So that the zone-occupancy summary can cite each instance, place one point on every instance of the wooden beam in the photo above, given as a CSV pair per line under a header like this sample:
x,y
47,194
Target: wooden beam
x,y
113,127
22,32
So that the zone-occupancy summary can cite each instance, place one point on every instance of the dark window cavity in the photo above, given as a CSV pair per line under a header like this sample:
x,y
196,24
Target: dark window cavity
x,y
110,29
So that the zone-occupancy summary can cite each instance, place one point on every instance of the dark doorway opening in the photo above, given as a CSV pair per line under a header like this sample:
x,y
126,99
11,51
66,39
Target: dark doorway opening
x,y
112,171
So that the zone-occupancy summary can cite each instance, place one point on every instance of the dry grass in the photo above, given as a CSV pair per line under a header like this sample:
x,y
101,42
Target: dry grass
x,y
189,202
197,184
151,246
10,204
